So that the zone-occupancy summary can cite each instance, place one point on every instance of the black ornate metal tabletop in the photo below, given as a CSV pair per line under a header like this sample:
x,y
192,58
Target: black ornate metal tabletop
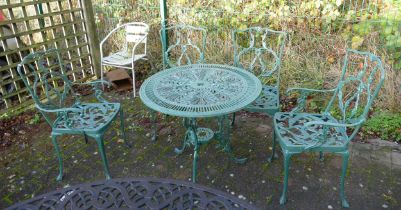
x,y
135,193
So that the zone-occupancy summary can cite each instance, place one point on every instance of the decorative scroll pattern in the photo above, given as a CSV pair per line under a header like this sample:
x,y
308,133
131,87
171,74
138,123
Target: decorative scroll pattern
x,y
51,81
185,49
263,59
45,76
363,75
90,116
200,90
293,129
145,193
264,55
362,78
41,25
268,99
200,87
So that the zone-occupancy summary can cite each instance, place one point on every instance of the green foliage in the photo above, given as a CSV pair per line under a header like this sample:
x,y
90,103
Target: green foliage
x,y
319,32
241,14
385,125
357,21
385,22
35,119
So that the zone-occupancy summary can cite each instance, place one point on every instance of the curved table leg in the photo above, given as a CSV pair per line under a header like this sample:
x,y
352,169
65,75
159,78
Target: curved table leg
x,y
185,143
196,150
191,137
223,137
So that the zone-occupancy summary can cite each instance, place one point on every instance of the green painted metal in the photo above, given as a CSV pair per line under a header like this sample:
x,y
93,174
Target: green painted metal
x,y
201,90
198,136
184,48
259,50
163,34
62,107
332,130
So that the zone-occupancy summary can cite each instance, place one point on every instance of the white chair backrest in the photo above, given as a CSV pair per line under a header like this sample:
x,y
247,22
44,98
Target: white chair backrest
x,y
135,32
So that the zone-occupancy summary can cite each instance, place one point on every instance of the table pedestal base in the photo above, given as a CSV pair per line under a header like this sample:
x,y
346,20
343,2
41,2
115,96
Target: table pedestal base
x,y
203,136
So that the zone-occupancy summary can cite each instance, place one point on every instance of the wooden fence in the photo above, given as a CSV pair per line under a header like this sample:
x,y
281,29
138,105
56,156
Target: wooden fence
x,y
36,25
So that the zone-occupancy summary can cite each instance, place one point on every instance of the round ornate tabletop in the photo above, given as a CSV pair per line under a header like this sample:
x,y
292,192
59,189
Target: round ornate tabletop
x,y
200,90
140,193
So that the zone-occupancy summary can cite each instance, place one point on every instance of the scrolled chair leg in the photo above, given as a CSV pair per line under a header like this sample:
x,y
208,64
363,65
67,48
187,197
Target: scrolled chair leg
x,y
287,158
184,144
321,156
344,201
99,140
60,159
122,129
272,156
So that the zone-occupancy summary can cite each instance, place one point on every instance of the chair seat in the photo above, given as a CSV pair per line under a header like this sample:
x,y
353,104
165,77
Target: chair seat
x,y
294,136
122,58
95,118
266,102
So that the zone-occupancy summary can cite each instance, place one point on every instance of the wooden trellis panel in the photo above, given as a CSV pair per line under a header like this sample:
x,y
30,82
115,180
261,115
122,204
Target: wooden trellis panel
x,y
36,25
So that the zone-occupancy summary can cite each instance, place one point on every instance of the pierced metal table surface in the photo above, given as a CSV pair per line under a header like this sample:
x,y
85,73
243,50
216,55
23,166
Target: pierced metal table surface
x,y
200,90
135,193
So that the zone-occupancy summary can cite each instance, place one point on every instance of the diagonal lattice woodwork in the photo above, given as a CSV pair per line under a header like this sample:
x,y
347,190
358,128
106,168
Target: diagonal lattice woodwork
x,y
36,26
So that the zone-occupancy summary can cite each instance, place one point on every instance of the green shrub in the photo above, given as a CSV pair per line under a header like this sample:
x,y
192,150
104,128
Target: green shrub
x,y
35,119
387,126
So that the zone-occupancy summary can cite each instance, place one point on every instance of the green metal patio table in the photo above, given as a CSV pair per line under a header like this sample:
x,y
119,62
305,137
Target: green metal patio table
x,y
201,91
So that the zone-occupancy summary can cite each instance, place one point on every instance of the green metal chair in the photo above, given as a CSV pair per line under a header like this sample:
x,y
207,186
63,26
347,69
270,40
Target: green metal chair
x,y
259,50
332,130
53,94
185,47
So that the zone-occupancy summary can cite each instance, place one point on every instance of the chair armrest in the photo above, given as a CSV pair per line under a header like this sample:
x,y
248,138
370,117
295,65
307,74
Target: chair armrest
x,y
307,90
47,112
304,93
330,124
58,110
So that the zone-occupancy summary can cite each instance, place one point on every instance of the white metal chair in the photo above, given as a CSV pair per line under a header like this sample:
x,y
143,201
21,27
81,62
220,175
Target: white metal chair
x,y
135,34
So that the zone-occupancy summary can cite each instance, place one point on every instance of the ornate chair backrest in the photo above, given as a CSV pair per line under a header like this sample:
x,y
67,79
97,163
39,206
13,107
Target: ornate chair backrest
x,y
45,78
362,77
187,45
259,50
